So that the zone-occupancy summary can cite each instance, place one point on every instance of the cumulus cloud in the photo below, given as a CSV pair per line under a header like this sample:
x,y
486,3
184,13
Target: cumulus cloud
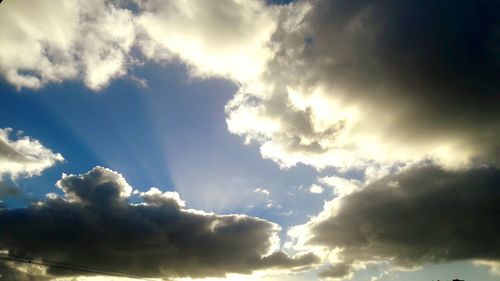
x,y
94,41
227,38
431,215
101,187
24,156
341,186
53,41
325,83
94,225
347,84
358,83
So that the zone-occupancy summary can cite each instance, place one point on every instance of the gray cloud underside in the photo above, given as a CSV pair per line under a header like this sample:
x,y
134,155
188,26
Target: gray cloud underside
x,y
8,189
430,215
336,271
94,226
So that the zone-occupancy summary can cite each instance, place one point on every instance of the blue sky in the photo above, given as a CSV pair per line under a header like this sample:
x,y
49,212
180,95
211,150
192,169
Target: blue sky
x,y
313,129
171,135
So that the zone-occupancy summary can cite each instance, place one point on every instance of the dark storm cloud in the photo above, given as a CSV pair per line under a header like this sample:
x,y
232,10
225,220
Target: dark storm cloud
x,y
424,76
424,214
440,56
95,226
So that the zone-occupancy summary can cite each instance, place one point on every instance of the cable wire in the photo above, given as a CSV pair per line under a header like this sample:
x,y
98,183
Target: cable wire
x,y
68,266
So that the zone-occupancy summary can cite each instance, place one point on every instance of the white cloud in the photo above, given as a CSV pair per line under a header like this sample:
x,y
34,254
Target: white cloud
x,y
24,156
225,38
92,40
315,188
262,190
341,186
108,35
45,42
155,196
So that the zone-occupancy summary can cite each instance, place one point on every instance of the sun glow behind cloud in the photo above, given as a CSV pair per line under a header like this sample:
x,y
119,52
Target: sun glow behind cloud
x,y
333,85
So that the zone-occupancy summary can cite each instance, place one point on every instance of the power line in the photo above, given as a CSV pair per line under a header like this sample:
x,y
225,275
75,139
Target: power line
x,y
48,262
68,266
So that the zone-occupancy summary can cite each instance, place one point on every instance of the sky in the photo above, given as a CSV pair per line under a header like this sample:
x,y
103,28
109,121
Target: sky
x,y
249,140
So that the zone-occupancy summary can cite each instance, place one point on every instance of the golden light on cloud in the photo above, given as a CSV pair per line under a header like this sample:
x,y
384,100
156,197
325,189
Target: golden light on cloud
x,y
380,122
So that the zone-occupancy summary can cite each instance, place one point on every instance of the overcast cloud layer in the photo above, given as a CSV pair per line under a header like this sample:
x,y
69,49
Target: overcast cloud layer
x,y
94,225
